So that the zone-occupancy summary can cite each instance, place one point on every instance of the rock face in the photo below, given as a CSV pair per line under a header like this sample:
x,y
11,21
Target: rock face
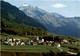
x,y
54,22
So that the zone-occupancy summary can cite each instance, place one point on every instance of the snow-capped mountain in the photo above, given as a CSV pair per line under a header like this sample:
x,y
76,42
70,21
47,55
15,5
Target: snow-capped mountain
x,y
54,22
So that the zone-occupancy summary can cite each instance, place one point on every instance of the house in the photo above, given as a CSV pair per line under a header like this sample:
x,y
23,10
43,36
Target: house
x,y
10,43
6,39
58,45
14,39
29,42
65,41
2,40
17,40
37,38
49,43
73,42
22,43
14,42
44,43
35,43
39,42
42,40
10,40
17,43
6,42
61,42
55,42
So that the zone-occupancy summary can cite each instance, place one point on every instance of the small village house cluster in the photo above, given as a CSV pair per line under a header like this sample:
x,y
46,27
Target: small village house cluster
x,y
37,41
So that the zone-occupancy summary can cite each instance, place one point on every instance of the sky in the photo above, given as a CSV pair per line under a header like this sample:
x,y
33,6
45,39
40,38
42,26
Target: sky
x,y
67,8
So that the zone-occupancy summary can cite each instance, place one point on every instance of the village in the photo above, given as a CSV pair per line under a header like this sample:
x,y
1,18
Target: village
x,y
36,41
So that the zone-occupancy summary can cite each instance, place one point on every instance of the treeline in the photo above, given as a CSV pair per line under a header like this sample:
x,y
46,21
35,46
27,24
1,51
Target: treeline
x,y
21,29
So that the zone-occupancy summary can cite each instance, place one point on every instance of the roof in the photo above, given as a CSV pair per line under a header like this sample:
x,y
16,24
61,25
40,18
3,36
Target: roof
x,y
34,42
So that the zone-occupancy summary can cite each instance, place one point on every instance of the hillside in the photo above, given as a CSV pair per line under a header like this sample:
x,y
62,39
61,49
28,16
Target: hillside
x,y
14,21
13,14
54,22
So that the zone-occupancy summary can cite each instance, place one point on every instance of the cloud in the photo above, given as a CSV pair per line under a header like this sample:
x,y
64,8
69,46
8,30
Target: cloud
x,y
52,0
58,5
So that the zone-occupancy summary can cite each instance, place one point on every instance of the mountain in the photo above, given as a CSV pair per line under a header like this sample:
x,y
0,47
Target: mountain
x,y
14,21
16,15
54,22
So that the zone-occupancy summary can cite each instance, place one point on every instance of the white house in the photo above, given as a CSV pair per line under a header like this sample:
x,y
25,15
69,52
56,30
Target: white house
x,y
42,40
31,40
58,45
10,40
65,41
14,39
22,43
37,38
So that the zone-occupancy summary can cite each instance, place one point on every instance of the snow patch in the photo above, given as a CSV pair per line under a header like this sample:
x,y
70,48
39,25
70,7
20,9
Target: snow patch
x,y
25,4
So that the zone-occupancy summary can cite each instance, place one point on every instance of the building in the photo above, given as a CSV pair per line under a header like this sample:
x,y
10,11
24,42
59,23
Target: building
x,y
58,45
35,43
37,38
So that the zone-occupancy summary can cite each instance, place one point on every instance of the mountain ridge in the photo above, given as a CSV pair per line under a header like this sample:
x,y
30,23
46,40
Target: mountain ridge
x,y
55,23
19,16
14,21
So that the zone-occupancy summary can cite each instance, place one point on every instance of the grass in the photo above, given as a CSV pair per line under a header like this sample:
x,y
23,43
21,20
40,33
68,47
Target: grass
x,y
30,48
71,45
26,48
5,35
14,36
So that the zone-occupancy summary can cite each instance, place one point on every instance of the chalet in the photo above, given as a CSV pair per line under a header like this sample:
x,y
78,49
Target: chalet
x,y
39,42
22,43
6,39
29,42
65,41
2,40
37,38
73,42
10,43
10,40
44,43
6,42
14,42
35,43
58,45
49,43
14,39
61,42
55,42
42,40
17,43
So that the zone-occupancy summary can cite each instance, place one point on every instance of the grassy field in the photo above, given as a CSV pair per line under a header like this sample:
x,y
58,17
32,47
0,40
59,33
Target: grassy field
x,y
29,48
34,49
